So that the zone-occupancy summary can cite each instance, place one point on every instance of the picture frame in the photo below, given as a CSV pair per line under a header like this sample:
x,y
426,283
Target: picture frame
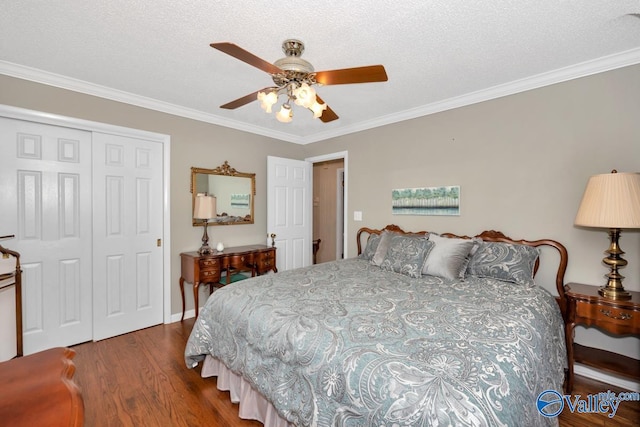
x,y
442,200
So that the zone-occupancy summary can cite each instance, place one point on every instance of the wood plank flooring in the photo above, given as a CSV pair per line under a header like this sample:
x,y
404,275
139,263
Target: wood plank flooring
x,y
140,379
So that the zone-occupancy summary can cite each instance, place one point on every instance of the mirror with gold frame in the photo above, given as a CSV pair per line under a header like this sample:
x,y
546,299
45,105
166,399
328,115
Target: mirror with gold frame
x,y
234,192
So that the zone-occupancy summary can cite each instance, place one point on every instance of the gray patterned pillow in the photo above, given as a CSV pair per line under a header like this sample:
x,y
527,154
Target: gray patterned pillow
x,y
383,245
504,261
370,248
406,255
449,257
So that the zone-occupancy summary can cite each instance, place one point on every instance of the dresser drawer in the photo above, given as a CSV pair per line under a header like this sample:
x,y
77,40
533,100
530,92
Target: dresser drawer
x,y
266,261
209,270
209,264
612,319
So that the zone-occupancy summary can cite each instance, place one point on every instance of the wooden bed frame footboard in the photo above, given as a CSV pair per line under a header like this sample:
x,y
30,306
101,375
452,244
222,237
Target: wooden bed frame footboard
x,y
495,236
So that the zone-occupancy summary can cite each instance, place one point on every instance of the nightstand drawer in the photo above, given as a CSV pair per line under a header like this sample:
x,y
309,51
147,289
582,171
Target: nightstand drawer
x,y
612,319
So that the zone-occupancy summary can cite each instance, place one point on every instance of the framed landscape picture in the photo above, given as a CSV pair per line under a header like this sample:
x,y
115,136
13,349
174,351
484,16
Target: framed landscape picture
x,y
426,201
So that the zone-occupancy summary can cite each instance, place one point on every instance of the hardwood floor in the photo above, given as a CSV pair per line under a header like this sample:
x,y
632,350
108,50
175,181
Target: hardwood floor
x,y
140,379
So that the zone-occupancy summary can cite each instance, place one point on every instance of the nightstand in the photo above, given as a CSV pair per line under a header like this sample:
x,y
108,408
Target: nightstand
x,y
586,307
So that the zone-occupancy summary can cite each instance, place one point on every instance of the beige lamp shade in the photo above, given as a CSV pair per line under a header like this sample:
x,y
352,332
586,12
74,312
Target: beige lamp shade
x,y
611,200
205,207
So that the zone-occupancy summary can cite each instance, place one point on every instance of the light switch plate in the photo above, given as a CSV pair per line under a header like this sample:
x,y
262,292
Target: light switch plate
x,y
357,215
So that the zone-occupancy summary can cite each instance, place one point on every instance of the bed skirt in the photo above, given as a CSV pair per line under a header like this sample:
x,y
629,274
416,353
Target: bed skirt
x,y
253,406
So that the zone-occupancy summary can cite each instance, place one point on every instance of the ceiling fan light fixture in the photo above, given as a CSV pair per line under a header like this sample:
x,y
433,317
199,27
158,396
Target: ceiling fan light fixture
x,y
317,109
267,100
296,78
285,115
305,95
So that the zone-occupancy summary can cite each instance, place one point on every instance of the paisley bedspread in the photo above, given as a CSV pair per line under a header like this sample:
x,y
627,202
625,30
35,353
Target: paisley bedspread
x,y
346,343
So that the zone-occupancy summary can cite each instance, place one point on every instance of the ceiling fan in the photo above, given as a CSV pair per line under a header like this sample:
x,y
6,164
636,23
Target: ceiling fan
x,y
296,78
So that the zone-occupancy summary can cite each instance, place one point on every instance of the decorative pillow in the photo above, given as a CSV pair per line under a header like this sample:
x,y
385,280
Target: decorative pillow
x,y
383,245
370,248
406,255
449,257
504,261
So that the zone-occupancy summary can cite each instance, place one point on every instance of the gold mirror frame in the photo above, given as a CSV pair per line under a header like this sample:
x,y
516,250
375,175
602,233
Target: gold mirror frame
x,y
232,194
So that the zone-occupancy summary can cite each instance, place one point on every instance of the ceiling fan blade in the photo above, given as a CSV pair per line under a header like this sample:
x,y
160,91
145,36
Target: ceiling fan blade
x,y
327,115
372,73
241,54
244,100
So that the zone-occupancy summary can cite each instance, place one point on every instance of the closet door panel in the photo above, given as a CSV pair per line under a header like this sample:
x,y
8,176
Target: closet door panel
x,y
45,186
128,200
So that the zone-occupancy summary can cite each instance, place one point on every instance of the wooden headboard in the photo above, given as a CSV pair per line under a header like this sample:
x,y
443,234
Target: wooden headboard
x,y
494,236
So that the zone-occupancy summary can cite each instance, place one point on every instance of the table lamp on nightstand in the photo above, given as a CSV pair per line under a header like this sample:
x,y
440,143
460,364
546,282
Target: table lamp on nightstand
x,y
205,209
612,201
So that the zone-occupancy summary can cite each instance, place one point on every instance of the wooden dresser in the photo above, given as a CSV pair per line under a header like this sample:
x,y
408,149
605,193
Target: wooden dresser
x,y
617,317
38,390
207,269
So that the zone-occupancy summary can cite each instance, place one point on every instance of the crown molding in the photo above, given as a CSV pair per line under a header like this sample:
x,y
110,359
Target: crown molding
x,y
87,88
607,63
584,69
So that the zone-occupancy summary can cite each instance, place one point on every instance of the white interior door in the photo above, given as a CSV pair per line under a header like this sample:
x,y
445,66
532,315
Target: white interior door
x,y
45,188
289,192
127,212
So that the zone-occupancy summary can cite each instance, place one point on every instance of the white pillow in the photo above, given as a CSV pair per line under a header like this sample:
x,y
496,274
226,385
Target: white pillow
x,y
449,257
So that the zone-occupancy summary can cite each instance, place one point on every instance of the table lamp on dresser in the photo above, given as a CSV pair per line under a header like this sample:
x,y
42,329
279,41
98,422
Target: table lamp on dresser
x,y
612,201
204,209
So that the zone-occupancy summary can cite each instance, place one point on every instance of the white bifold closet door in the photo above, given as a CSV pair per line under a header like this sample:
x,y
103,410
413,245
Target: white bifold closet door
x,y
82,206
127,218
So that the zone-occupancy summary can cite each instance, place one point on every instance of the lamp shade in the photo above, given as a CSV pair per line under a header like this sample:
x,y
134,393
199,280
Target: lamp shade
x,y
611,200
285,115
205,207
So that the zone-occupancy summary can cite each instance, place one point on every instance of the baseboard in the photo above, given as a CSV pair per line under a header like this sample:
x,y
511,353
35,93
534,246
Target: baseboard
x,y
623,383
175,317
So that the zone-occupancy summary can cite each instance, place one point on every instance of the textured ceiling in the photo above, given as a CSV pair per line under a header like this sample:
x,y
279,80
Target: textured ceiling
x,y
438,54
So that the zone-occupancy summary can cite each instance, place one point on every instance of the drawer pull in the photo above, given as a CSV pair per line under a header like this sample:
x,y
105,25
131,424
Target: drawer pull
x,y
623,316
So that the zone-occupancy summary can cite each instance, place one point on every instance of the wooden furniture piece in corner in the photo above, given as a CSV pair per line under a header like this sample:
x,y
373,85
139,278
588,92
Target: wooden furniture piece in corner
x,y
618,317
38,390
8,279
207,269
316,248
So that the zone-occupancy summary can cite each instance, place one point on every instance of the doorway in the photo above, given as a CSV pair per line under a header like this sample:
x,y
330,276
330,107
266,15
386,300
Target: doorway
x,y
329,187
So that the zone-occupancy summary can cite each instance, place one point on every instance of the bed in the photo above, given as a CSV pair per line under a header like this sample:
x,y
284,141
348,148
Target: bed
x,y
420,329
